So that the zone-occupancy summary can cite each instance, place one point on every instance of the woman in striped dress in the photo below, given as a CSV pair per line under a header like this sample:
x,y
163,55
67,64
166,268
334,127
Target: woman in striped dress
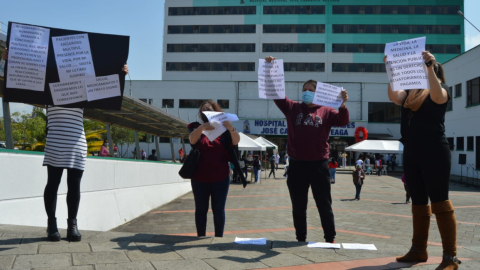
x,y
66,148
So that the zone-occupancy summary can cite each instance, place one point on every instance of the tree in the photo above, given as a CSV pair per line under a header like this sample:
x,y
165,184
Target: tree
x,y
28,131
122,136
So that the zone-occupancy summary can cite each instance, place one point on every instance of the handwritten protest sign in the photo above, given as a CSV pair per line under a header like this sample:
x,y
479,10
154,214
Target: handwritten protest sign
x,y
328,95
359,246
68,92
405,65
323,245
220,117
73,57
271,79
103,87
251,241
213,134
27,57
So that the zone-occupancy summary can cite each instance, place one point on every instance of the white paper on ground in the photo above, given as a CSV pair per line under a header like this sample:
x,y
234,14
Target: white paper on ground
x,y
73,57
323,245
251,241
405,65
27,57
328,95
220,117
213,134
271,79
68,92
359,246
103,87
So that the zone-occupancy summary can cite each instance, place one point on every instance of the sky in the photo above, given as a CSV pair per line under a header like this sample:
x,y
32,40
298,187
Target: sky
x,y
141,20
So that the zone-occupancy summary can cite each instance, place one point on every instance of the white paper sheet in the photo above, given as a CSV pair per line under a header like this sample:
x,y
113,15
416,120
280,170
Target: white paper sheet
x,y
27,57
323,245
73,57
328,95
251,241
103,87
359,246
213,134
68,92
405,64
271,79
220,117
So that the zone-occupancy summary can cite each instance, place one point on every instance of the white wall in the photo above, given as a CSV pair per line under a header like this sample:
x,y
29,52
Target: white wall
x,y
113,191
463,121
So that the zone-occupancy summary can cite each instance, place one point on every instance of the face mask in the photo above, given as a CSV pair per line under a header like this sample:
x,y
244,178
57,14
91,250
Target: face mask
x,y
307,97
105,144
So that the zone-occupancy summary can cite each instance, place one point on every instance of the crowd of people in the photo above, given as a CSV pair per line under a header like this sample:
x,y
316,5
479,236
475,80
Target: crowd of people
x,y
309,166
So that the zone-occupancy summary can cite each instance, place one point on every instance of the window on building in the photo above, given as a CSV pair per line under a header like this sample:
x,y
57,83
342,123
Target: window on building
x,y
191,103
396,29
167,103
192,11
458,90
209,66
224,103
470,146
147,138
293,28
358,67
147,100
450,102
384,112
212,29
473,92
304,67
164,140
285,10
394,9
460,143
293,47
450,142
234,47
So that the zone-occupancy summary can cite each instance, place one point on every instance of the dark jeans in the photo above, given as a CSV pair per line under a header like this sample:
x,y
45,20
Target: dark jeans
x,y
358,189
74,176
427,172
201,194
245,172
379,171
272,167
302,175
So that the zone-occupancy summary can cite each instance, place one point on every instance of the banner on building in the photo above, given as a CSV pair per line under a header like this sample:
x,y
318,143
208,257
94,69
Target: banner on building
x,y
74,69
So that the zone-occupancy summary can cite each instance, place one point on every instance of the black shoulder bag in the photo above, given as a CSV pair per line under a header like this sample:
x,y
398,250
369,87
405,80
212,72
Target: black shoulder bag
x,y
190,163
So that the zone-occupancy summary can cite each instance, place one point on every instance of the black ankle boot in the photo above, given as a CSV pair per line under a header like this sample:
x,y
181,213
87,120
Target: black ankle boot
x,y
72,231
52,230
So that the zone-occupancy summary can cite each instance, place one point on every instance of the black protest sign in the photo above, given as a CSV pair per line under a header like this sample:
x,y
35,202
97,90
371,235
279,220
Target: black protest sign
x,y
43,60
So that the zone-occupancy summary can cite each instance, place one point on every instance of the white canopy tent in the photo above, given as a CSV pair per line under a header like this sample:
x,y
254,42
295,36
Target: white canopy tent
x,y
377,147
248,144
268,144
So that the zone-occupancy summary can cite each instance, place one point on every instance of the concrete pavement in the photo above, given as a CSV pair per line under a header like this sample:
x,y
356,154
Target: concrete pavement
x,y
165,237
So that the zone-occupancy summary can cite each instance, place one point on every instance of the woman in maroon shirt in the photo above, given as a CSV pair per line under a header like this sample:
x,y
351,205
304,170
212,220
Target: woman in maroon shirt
x,y
308,133
212,176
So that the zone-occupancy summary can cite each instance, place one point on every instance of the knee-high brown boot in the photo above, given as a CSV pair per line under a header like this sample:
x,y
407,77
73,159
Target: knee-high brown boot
x,y
447,225
421,224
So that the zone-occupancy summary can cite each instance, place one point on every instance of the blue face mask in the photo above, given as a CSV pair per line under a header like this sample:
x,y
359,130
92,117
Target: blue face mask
x,y
307,97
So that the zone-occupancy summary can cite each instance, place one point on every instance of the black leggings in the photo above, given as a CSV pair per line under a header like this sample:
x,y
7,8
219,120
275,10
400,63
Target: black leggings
x,y
74,176
427,172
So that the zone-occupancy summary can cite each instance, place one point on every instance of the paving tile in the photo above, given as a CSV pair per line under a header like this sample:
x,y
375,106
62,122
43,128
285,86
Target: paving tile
x,y
235,263
113,246
43,260
154,255
190,264
6,262
282,260
126,266
200,252
83,267
64,248
18,249
99,258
